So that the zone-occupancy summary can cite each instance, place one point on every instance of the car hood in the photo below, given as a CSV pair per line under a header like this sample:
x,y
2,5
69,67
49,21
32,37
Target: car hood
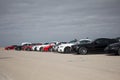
x,y
115,44
68,44
42,45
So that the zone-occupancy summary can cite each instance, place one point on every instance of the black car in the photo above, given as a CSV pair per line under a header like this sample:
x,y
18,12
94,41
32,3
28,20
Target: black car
x,y
96,45
18,47
113,48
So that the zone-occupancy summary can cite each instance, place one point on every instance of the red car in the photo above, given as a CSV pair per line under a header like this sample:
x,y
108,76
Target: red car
x,y
12,47
29,46
48,48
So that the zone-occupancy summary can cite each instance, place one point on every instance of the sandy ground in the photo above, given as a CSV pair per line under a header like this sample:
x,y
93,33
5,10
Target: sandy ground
x,y
23,65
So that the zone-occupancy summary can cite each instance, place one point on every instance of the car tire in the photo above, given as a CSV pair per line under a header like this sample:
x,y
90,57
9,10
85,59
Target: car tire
x,y
67,50
18,49
41,49
119,51
28,49
82,50
8,49
50,49
35,49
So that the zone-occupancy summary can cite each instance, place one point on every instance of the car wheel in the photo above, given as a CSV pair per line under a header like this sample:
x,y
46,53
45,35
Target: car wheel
x,y
18,49
8,49
119,51
28,49
67,50
35,49
50,49
41,49
83,51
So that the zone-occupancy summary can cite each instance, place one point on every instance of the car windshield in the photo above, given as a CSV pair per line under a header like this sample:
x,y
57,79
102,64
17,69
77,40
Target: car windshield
x,y
61,43
73,41
85,41
92,40
46,43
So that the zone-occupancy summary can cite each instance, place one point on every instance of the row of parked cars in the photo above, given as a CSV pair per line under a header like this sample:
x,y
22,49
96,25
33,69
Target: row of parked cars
x,y
82,46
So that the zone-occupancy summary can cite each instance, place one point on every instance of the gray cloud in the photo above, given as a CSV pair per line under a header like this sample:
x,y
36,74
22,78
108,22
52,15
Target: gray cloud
x,y
63,20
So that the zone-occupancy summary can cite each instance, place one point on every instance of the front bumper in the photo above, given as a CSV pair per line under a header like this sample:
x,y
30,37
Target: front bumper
x,y
60,50
111,50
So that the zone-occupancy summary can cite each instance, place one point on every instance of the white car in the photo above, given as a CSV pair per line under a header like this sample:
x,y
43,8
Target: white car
x,y
67,48
40,47
55,47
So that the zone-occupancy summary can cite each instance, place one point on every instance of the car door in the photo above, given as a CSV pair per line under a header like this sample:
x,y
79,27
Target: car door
x,y
100,44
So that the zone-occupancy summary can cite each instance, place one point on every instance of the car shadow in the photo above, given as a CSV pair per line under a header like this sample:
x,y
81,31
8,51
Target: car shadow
x,y
91,53
5,57
112,54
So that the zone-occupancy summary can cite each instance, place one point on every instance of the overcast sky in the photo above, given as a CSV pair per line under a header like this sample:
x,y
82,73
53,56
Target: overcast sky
x,y
57,20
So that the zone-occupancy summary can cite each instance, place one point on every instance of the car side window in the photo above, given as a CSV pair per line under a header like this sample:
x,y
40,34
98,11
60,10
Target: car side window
x,y
98,41
102,41
106,41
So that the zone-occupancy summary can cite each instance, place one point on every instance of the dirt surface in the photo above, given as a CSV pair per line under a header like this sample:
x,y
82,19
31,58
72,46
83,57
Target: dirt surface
x,y
23,65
